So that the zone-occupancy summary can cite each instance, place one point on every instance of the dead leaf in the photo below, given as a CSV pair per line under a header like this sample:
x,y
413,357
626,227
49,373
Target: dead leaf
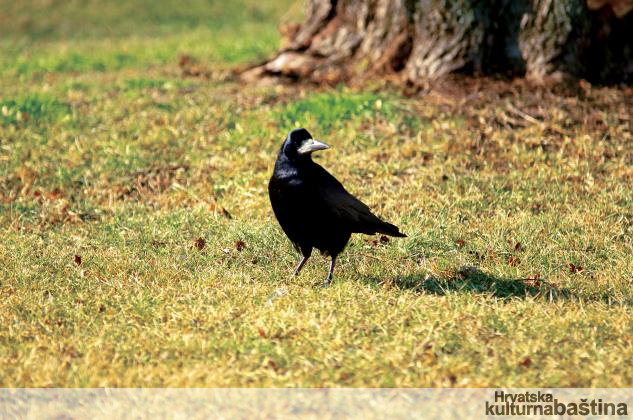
x,y
157,244
518,247
226,213
185,60
77,259
526,362
534,280
575,268
460,243
56,194
240,245
200,243
22,116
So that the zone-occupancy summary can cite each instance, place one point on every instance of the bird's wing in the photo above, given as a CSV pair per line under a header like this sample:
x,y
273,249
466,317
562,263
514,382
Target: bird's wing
x,y
344,207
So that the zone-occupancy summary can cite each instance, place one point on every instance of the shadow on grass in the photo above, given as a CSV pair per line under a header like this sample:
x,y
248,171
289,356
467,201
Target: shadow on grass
x,y
471,280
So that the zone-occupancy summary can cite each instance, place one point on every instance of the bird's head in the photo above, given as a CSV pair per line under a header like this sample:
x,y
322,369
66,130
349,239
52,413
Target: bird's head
x,y
301,144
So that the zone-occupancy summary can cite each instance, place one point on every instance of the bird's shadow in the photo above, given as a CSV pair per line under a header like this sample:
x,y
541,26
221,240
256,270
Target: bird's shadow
x,y
471,280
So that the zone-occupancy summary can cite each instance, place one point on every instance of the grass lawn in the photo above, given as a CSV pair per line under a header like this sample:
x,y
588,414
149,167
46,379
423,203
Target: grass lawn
x,y
138,246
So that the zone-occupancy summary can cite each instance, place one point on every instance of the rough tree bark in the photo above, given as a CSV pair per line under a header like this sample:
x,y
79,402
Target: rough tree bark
x,y
424,39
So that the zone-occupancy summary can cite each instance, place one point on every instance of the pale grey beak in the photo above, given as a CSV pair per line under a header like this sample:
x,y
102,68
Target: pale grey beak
x,y
310,146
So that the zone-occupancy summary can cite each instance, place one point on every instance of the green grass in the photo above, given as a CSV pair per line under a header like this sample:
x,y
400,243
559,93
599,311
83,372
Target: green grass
x,y
35,108
108,152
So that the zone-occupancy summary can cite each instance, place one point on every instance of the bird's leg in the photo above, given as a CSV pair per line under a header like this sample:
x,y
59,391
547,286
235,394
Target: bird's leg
x,y
328,280
301,264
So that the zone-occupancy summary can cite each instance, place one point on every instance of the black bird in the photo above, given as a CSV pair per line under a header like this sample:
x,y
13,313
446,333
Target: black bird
x,y
312,207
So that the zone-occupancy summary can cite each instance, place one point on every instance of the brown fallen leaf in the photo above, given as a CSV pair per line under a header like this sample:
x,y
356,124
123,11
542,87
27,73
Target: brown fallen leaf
x,y
200,243
240,245
22,116
460,243
56,194
518,247
185,60
157,244
226,213
534,280
575,268
272,365
513,261
526,362
77,259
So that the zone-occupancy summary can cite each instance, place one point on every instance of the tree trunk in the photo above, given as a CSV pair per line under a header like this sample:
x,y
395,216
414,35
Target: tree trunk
x,y
421,40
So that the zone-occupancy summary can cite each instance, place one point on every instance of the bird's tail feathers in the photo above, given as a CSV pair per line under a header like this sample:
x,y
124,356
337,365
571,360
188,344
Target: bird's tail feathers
x,y
391,230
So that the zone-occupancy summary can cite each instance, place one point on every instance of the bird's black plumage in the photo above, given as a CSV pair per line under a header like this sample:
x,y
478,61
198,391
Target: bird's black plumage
x,y
312,207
